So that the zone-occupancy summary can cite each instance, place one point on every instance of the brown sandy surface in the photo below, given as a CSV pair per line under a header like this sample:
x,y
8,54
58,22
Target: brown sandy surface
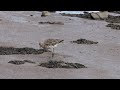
x,y
19,29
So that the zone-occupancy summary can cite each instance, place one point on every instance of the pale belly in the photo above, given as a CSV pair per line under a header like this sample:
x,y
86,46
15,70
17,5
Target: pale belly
x,y
53,46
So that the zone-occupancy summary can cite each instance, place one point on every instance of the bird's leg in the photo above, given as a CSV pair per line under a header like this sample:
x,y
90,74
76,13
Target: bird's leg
x,y
53,53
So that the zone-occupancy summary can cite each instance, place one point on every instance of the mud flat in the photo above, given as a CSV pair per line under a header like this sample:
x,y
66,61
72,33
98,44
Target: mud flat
x,y
19,29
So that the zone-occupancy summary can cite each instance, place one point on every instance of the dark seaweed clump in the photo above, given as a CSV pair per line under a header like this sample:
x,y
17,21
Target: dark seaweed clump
x,y
28,61
59,23
61,64
84,41
113,26
113,19
19,62
26,50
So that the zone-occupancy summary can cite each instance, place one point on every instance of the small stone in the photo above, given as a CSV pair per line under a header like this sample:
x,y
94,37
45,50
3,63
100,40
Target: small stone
x,y
31,15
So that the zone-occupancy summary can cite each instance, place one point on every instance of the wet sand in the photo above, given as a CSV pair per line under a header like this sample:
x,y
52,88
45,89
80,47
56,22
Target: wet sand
x,y
22,29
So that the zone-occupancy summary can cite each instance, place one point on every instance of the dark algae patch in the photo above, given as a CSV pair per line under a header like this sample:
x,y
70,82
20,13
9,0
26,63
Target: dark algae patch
x,y
61,64
28,61
113,26
25,50
84,41
59,23
19,62
114,22
51,64
113,19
